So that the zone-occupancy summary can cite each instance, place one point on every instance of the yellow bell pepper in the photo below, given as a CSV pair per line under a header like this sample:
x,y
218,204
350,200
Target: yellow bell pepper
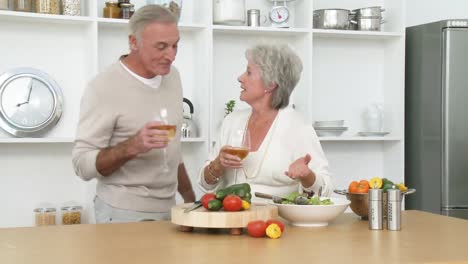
x,y
245,205
402,187
376,183
273,231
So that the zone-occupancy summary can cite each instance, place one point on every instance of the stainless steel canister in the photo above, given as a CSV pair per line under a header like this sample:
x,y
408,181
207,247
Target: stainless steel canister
x,y
375,209
394,209
253,17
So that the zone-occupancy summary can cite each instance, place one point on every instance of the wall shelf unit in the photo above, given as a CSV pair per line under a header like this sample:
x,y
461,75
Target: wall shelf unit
x,y
328,33
344,71
358,139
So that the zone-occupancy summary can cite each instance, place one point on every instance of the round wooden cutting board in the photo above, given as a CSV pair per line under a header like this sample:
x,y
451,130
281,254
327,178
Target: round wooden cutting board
x,y
201,217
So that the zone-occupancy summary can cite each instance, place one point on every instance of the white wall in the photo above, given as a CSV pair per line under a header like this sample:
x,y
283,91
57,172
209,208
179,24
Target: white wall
x,y
425,11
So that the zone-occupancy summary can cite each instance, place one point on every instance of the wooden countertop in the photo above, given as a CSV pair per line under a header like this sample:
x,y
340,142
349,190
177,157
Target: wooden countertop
x,y
424,238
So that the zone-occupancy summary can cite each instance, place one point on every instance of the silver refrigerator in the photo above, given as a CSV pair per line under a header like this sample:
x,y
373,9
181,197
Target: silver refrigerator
x,y
436,117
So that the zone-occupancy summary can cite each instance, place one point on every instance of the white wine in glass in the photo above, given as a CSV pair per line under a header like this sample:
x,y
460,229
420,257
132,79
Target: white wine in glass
x,y
240,152
171,129
162,117
239,145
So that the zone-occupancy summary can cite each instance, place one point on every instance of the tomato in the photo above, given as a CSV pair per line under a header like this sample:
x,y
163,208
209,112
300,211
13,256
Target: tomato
x,y
256,228
207,198
232,203
279,223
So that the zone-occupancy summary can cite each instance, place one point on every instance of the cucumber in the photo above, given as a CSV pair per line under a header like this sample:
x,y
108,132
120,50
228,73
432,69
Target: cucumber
x,y
215,205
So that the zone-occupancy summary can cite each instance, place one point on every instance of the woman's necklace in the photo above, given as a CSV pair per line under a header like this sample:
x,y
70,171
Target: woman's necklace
x,y
255,166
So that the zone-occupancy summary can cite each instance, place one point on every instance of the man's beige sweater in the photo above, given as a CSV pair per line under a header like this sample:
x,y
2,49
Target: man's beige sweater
x,y
114,107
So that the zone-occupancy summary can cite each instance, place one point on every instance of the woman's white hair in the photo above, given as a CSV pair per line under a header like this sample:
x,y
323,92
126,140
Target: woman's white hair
x,y
279,65
149,14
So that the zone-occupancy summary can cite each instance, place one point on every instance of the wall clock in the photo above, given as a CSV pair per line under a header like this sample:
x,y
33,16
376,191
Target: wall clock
x,y
31,102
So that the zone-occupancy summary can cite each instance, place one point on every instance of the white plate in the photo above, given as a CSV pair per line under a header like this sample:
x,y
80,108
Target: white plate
x,y
329,123
373,134
332,128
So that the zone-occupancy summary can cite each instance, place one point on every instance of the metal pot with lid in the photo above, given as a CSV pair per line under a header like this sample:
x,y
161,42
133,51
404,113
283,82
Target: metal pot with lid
x,y
367,18
331,18
373,11
188,128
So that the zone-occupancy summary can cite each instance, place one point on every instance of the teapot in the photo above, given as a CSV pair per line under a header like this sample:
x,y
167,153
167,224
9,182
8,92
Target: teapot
x,y
188,128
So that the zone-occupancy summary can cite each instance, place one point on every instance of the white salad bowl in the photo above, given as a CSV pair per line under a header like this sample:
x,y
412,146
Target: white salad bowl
x,y
313,215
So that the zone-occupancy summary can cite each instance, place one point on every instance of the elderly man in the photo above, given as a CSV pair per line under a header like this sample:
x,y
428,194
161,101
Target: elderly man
x,y
119,142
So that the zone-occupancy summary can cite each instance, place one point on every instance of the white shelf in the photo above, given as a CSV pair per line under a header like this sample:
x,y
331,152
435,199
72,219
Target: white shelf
x,y
36,140
114,22
330,33
350,138
189,140
259,30
37,18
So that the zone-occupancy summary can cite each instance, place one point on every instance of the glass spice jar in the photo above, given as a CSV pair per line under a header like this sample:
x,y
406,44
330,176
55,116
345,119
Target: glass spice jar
x,y
71,7
22,5
44,216
71,215
48,7
127,10
111,10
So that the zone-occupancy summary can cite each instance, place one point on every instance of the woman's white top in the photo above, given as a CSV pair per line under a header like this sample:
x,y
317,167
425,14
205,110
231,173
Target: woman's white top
x,y
288,139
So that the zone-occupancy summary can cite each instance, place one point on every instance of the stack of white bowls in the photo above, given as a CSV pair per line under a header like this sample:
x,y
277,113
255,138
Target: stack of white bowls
x,y
331,128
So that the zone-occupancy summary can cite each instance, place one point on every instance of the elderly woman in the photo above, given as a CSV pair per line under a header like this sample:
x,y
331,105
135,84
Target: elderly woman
x,y
285,153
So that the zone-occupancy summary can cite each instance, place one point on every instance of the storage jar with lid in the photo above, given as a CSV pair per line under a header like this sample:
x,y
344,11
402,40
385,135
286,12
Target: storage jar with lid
x,y
44,216
48,7
111,10
123,2
229,12
4,5
175,6
23,5
71,7
127,10
71,215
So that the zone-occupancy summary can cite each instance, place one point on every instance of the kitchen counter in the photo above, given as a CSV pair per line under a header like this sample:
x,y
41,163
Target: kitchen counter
x,y
424,238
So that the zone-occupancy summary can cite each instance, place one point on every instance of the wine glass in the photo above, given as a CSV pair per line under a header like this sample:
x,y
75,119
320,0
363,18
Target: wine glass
x,y
171,129
239,145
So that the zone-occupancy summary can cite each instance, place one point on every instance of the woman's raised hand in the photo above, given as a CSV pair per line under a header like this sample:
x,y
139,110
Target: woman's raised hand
x,y
299,169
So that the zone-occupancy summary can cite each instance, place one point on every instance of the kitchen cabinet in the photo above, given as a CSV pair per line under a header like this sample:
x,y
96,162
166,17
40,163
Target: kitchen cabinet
x,y
344,71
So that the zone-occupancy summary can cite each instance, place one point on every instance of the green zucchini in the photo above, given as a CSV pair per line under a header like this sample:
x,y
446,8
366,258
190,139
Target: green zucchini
x,y
241,190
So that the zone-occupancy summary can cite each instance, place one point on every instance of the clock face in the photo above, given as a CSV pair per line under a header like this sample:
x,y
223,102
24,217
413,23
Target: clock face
x,y
27,102
279,14
30,102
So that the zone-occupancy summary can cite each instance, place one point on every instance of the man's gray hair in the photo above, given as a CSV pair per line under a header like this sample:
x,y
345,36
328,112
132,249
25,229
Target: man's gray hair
x,y
149,14
279,65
